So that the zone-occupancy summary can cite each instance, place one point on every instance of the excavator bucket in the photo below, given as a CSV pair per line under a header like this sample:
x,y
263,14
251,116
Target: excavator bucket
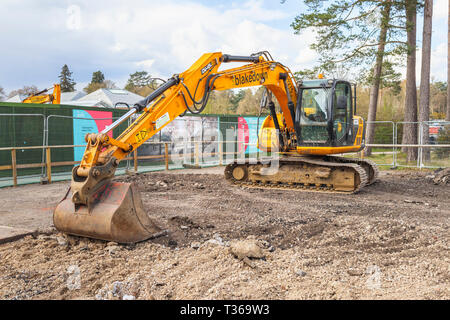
x,y
115,213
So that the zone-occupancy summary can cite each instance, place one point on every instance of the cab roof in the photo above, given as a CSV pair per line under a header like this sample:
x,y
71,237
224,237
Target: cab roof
x,y
316,83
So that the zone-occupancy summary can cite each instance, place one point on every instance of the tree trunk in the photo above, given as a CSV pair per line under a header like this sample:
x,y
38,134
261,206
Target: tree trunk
x,y
424,103
375,88
447,116
410,128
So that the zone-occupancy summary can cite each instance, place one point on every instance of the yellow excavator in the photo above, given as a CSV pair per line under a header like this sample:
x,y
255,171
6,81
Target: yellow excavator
x,y
317,120
40,98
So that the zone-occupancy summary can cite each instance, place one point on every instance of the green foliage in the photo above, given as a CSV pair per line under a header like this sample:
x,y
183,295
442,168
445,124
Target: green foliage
x,y
66,81
138,79
347,31
228,102
389,77
306,74
438,99
98,77
440,86
236,98
384,133
140,83
106,84
443,138
98,82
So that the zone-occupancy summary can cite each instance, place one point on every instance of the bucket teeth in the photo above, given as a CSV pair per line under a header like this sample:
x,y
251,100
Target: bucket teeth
x,y
115,213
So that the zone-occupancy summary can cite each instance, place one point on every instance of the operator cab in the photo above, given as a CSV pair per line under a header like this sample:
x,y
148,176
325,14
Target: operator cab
x,y
324,113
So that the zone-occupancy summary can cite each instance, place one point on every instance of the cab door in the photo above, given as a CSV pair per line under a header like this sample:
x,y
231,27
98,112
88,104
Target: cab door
x,y
342,114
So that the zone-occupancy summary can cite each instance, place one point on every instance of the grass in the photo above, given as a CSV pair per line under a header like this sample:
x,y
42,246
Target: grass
x,y
385,160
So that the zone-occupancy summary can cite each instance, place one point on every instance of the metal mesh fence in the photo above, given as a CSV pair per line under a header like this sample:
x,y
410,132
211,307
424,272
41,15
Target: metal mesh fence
x,y
384,134
28,131
438,135
61,131
187,141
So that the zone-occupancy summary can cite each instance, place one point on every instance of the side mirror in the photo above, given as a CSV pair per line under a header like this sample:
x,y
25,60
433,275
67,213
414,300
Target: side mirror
x,y
342,102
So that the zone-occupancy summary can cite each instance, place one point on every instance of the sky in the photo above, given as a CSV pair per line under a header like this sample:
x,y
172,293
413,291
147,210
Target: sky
x,y
160,37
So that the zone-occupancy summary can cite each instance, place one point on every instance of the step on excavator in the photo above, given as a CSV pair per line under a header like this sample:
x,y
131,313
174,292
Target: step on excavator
x,y
316,122
40,97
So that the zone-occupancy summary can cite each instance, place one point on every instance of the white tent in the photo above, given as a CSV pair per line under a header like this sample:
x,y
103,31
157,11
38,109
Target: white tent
x,y
110,97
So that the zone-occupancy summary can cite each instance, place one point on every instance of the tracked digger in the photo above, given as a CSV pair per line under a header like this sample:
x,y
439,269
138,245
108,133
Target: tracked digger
x,y
41,98
316,121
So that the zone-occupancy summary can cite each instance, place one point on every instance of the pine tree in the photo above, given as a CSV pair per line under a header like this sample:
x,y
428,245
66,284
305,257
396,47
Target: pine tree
x,y
424,105
141,83
98,82
98,77
66,80
410,127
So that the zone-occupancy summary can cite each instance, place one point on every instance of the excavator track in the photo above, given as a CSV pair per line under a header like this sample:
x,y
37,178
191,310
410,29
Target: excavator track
x,y
368,165
321,174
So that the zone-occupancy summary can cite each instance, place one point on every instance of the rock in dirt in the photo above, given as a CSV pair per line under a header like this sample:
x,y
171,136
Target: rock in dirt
x,y
61,241
195,245
217,240
300,273
442,177
113,249
161,184
246,249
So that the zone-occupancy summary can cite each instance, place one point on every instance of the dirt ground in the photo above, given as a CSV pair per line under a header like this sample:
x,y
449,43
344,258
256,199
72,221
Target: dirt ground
x,y
389,241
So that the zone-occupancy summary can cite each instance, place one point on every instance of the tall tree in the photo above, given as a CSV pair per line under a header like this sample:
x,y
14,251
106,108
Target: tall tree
x,y
98,82
98,77
447,117
410,127
66,81
377,71
352,34
424,102
438,99
141,83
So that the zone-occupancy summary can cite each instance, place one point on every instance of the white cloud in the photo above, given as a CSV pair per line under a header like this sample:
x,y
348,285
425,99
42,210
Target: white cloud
x,y
439,62
162,37
145,64
440,9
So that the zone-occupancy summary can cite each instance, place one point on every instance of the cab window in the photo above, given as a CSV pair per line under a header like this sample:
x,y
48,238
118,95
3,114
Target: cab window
x,y
342,110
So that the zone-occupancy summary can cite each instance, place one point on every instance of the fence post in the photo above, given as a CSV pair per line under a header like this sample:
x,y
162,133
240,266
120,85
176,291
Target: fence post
x,y
395,142
14,166
220,154
166,155
197,156
48,164
242,151
135,159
